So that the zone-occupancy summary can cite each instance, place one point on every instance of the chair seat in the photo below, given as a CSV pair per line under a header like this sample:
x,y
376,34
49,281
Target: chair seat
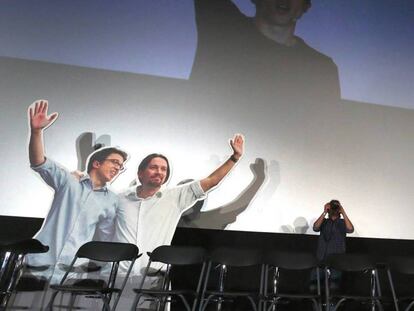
x,y
231,294
406,298
355,297
85,286
83,290
31,283
292,296
163,292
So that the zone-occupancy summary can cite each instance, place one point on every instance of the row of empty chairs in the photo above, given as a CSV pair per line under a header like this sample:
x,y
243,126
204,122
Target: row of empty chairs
x,y
267,290
227,275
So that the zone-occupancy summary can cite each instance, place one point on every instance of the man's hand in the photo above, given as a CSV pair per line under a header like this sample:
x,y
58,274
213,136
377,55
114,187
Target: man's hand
x,y
326,208
39,119
77,174
348,224
237,144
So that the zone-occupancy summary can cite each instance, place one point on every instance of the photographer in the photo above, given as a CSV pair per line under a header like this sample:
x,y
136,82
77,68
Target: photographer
x,y
333,232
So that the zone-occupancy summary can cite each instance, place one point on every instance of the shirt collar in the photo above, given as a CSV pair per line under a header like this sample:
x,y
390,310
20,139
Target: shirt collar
x,y
87,179
131,194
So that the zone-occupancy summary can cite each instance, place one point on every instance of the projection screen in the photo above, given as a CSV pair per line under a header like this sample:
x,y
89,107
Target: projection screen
x,y
327,115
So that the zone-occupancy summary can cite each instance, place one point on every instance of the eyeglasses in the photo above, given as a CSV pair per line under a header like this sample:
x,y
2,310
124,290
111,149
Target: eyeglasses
x,y
116,163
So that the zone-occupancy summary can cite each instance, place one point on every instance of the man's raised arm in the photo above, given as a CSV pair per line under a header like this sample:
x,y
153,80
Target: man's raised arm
x,y
237,144
39,120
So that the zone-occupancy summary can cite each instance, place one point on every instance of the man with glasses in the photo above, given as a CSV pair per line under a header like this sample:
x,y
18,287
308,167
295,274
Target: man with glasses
x,y
81,208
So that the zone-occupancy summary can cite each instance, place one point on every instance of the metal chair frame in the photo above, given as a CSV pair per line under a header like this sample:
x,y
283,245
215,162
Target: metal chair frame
x,y
12,264
226,258
353,263
108,252
172,256
403,265
276,261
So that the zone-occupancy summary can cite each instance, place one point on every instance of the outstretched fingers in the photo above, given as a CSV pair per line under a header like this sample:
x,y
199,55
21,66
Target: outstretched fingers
x,y
39,119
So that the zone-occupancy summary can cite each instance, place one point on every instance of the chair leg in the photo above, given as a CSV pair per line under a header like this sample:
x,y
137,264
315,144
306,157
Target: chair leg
x,y
72,301
327,293
195,301
273,303
252,303
187,306
5,298
206,303
409,306
106,303
136,300
51,301
315,304
338,304
118,296
379,304
394,296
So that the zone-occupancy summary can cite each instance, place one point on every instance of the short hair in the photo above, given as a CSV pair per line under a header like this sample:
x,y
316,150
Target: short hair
x,y
306,1
102,154
144,163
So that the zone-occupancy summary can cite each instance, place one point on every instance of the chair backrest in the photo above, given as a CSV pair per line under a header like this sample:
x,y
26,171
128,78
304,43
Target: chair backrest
x,y
291,260
108,251
404,265
236,257
178,255
350,262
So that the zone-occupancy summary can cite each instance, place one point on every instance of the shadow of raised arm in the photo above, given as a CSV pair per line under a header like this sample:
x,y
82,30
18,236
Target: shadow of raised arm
x,y
222,216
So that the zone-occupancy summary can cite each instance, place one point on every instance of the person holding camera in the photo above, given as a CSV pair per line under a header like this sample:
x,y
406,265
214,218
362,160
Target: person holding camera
x,y
333,230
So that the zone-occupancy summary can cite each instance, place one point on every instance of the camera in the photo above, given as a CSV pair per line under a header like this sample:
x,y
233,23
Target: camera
x,y
334,205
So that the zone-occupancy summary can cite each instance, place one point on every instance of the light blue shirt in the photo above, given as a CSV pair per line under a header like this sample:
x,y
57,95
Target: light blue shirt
x,y
77,211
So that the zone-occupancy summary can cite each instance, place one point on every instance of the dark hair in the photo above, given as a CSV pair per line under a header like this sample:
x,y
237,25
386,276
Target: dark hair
x,y
306,1
144,163
102,154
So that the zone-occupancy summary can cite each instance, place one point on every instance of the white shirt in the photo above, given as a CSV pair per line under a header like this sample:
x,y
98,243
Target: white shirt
x,y
151,222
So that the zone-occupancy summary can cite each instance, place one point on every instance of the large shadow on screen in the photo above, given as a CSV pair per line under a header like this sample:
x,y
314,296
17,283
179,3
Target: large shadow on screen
x,y
262,54
220,217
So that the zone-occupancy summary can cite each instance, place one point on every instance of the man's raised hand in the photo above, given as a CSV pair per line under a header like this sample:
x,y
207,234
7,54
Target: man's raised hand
x,y
237,144
39,119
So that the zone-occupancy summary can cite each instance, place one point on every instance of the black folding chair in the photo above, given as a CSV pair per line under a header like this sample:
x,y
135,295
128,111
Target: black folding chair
x,y
403,269
240,261
107,252
173,257
12,256
363,268
279,264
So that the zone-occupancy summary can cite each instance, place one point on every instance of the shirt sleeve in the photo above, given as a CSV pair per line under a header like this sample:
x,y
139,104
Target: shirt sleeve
x,y
346,229
189,194
53,174
322,227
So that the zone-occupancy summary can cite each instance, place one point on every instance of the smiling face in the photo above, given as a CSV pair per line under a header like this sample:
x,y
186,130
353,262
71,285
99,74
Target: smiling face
x,y
154,174
281,12
109,168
